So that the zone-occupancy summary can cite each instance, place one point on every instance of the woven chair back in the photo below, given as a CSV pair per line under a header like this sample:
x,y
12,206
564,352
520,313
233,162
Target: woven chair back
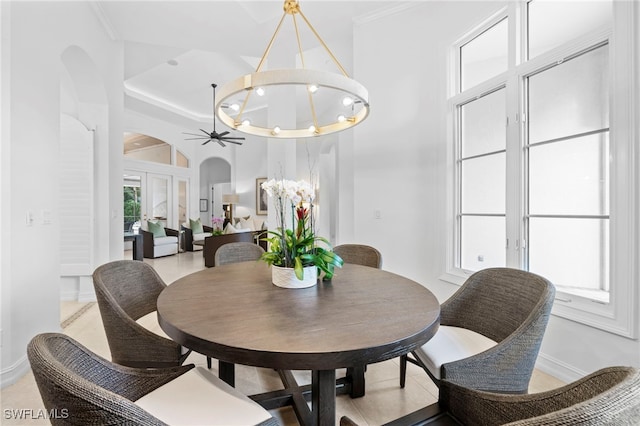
x,y
495,302
129,285
237,252
359,254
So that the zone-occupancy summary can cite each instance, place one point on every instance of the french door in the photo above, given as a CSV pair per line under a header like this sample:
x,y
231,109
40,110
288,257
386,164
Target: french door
x,y
149,196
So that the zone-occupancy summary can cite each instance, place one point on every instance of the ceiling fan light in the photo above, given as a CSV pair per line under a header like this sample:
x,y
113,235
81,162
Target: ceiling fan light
x,y
312,128
313,88
260,91
276,130
246,122
341,118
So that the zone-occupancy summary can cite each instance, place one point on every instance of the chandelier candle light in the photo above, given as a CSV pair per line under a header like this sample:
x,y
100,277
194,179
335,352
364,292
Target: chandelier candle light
x,y
296,249
351,94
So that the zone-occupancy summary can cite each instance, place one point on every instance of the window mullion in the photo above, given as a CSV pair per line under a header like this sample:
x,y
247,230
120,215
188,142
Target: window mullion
x,y
514,173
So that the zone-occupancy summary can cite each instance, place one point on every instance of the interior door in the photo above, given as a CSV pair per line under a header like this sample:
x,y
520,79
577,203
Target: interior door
x,y
183,200
133,200
159,199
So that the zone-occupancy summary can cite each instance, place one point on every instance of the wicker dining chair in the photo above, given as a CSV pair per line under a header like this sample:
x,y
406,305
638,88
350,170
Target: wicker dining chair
x,y
610,396
127,290
237,252
79,387
490,332
359,254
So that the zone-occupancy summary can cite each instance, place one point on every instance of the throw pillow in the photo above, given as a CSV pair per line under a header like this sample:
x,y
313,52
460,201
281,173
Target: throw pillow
x,y
258,223
229,229
247,224
156,229
196,226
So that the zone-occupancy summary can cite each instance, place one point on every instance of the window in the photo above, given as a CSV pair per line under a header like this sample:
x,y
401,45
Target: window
x,y
132,192
482,168
484,56
539,157
137,146
568,173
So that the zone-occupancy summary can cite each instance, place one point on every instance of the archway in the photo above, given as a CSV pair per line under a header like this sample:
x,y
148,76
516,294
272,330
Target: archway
x,y
215,180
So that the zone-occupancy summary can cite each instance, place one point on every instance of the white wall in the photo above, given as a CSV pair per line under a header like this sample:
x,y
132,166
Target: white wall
x,y
400,167
250,164
34,36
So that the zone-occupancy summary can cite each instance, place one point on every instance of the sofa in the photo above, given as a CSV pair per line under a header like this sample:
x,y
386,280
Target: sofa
x,y
214,242
189,237
158,240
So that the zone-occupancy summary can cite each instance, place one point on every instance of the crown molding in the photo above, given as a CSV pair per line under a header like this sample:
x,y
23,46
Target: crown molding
x,y
385,12
104,20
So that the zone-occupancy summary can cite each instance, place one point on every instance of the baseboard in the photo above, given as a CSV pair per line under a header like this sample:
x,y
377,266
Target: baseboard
x,y
13,373
87,296
558,369
77,288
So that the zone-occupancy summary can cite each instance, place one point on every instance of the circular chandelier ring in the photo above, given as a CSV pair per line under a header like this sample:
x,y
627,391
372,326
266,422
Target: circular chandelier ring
x,y
305,77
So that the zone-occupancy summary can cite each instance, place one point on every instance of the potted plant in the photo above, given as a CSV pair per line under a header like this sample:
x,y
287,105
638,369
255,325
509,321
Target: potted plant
x,y
216,225
296,252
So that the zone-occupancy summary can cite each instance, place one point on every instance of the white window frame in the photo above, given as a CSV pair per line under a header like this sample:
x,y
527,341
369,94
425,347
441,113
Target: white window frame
x,y
620,315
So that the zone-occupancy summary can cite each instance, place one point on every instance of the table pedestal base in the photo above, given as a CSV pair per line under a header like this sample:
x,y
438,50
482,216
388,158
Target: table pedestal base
x,y
323,384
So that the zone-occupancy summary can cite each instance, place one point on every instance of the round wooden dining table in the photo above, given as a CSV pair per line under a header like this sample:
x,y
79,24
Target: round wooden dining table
x,y
362,316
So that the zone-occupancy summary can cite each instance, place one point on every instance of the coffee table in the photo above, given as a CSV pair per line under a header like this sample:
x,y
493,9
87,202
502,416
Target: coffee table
x,y
363,316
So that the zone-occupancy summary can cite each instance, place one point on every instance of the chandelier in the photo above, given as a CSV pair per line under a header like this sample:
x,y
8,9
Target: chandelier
x,y
334,101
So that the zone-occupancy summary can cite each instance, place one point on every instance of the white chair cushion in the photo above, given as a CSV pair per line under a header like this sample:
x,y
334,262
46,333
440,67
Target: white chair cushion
x,y
161,241
200,398
150,322
202,236
451,344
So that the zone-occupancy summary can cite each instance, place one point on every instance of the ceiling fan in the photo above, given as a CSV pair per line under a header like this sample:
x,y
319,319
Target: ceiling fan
x,y
221,138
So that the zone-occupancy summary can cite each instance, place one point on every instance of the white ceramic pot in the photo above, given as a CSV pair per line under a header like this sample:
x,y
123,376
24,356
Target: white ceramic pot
x,y
286,277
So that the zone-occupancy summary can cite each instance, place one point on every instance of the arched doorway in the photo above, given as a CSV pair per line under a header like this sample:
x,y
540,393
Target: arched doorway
x,y
215,181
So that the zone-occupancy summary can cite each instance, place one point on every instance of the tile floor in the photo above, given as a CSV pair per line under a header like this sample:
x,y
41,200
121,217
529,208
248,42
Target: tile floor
x,y
383,402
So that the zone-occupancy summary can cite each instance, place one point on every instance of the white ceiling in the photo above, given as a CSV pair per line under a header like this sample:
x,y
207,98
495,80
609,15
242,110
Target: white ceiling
x,y
212,42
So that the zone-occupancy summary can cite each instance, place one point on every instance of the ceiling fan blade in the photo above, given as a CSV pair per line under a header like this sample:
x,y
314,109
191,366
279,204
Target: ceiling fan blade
x,y
195,139
213,135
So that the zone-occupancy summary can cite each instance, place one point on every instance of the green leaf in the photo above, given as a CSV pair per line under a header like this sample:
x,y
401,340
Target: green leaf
x,y
298,268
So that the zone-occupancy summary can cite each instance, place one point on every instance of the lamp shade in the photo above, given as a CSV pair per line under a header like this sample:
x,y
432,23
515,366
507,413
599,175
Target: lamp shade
x,y
230,198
